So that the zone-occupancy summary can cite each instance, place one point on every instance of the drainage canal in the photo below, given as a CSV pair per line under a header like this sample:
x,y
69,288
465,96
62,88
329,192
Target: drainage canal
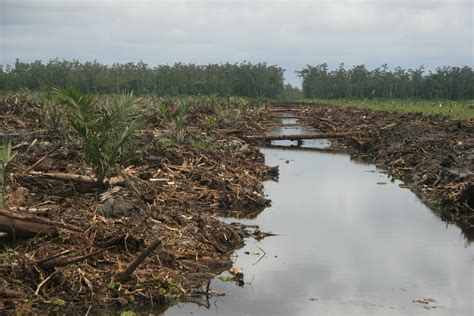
x,y
349,241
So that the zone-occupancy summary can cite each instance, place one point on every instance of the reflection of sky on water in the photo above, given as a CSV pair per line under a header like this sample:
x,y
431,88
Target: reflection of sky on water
x,y
306,143
289,126
351,240
287,120
354,245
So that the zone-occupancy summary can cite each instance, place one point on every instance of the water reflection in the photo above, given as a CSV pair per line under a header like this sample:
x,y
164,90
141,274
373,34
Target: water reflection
x,y
290,126
351,242
348,245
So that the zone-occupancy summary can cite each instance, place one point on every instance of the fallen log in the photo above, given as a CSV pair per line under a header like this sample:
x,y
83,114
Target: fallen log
x,y
157,132
283,110
26,224
313,149
287,105
6,293
284,116
59,261
304,136
77,178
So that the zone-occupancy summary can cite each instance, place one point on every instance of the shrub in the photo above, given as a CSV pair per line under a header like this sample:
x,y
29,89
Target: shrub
x,y
175,119
51,115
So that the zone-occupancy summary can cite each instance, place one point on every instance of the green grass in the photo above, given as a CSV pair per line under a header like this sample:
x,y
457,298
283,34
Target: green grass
x,y
457,109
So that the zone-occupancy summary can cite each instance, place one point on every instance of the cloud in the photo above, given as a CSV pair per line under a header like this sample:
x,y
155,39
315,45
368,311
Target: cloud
x,y
288,33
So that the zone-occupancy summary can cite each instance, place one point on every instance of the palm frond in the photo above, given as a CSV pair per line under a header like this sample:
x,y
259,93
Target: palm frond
x,y
104,130
6,156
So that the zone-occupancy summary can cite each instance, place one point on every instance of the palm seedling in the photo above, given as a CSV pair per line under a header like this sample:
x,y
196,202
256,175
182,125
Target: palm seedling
x,y
104,130
181,117
210,121
6,156
51,114
175,119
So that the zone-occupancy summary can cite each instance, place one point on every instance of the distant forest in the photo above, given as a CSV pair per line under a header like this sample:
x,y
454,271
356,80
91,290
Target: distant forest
x,y
452,83
242,79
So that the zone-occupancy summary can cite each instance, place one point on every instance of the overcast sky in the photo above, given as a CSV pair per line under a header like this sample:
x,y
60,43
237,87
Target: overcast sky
x,y
290,34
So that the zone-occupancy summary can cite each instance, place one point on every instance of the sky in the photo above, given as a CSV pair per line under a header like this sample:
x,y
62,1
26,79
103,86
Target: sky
x,y
290,34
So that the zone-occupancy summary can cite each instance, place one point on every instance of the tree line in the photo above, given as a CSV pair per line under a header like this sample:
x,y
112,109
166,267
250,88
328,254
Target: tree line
x,y
455,83
239,79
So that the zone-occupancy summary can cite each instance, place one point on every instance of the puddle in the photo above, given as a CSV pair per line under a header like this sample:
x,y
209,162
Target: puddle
x,y
346,245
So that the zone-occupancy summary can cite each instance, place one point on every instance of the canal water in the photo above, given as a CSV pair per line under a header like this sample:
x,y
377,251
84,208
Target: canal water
x,y
350,242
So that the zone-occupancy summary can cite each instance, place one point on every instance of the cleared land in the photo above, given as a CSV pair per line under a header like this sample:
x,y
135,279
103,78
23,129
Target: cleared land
x,y
148,234
458,109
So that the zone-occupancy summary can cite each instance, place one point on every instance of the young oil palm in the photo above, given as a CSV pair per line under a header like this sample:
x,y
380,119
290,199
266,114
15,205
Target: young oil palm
x,y
104,130
175,119
6,156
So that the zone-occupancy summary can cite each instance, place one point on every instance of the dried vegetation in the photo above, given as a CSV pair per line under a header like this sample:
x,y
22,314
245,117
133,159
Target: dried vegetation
x,y
146,232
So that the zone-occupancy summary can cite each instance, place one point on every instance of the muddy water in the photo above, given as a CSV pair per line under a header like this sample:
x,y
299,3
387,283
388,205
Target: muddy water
x,y
350,243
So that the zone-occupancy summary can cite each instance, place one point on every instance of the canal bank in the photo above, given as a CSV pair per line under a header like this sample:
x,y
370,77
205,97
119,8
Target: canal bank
x,y
350,241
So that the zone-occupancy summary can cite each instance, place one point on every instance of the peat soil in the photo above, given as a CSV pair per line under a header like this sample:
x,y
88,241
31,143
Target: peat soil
x,y
148,237
432,155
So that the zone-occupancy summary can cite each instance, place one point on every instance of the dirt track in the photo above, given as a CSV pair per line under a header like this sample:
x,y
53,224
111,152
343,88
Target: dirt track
x,y
432,155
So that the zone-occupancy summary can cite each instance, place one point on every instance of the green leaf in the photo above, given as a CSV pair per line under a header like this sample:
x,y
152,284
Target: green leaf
x,y
104,129
226,278
59,302
112,285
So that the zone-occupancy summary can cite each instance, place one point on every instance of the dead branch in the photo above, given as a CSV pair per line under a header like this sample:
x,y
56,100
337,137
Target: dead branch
x,y
127,273
56,261
34,210
77,178
62,253
283,110
313,149
304,136
26,224
41,159
38,288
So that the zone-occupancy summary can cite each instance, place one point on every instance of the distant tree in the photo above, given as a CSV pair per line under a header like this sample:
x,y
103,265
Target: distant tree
x,y
444,83
291,93
240,79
